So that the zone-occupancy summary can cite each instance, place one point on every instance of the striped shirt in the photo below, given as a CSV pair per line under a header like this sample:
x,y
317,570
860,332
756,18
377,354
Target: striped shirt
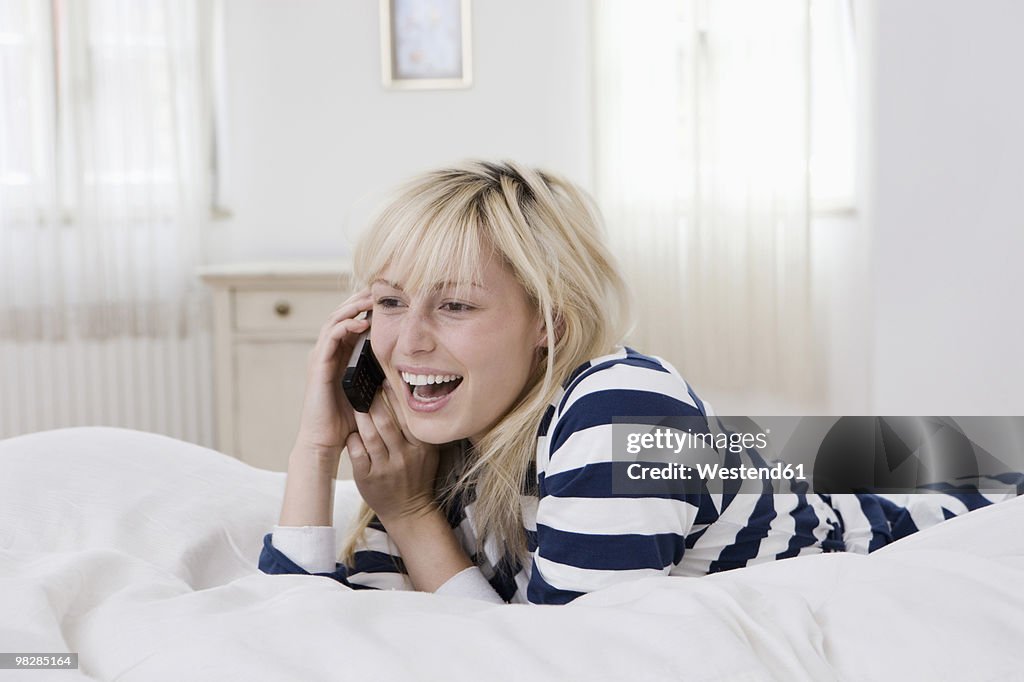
x,y
583,536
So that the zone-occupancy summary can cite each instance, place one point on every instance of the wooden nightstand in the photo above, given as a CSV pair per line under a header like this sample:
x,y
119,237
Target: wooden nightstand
x,y
267,317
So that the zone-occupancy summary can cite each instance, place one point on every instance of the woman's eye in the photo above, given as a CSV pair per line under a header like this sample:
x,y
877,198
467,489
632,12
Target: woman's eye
x,y
454,307
388,302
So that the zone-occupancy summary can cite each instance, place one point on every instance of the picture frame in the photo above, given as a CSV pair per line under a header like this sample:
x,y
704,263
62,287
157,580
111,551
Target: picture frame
x,y
425,44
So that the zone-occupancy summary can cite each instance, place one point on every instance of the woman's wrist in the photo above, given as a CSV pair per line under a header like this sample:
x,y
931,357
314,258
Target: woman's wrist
x,y
323,459
419,517
431,552
309,488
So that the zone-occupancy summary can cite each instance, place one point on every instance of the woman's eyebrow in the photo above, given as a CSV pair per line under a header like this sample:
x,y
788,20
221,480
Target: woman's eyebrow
x,y
456,285
436,287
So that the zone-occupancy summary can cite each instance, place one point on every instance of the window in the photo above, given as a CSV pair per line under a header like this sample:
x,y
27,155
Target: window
x,y
27,113
833,105
93,108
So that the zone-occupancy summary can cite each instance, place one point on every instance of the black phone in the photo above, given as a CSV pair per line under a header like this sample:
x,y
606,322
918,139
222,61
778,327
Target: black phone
x,y
363,375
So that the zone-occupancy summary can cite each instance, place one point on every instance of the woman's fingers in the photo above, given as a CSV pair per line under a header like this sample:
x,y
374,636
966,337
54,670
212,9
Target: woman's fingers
x,y
327,348
373,443
387,423
348,326
341,324
355,299
380,434
394,476
352,306
357,454
395,409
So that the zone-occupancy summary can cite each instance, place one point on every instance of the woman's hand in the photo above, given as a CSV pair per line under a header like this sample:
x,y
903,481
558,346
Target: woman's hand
x,y
327,416
394,472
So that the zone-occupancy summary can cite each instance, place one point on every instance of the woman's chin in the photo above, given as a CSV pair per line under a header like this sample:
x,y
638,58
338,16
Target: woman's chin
x,y
433,434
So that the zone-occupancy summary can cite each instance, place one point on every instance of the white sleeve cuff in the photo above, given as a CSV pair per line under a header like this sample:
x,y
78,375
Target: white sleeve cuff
x,y
471,583
311,547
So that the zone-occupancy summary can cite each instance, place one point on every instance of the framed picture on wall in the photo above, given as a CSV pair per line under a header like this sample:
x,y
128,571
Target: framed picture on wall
x,y
425,44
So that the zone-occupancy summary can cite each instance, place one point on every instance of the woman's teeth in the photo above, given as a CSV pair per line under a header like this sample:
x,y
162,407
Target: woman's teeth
x,y
429,388
425,379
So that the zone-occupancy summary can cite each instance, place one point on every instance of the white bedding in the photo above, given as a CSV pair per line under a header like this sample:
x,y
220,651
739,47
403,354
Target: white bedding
x,y
139,552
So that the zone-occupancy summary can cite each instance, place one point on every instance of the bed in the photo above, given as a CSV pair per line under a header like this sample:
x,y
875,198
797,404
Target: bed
x,y
139,552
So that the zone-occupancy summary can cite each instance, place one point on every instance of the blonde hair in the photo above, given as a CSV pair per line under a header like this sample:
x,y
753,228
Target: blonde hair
x,y
440,227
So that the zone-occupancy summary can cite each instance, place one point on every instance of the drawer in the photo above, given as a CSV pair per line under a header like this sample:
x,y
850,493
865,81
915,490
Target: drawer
x,y
285,310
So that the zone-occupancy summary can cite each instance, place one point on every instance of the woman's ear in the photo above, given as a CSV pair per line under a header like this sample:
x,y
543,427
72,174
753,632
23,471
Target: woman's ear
x,y
542,331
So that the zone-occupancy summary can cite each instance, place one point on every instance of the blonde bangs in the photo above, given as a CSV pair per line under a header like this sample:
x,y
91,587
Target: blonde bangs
x,y
430,238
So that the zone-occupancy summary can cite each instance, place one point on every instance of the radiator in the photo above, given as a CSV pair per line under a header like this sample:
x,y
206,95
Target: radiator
x,y
161,385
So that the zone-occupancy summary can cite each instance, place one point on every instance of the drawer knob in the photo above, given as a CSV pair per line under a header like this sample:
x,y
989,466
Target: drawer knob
x,y
282,308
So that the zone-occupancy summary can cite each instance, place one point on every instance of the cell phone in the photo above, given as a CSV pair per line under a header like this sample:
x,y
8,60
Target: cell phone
x,y
363,375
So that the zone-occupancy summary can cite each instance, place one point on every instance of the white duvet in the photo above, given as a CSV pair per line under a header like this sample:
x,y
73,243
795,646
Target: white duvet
x,y
139,552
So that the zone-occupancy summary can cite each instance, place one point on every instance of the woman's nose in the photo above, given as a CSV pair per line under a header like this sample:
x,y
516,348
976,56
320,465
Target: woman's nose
x,y
415,335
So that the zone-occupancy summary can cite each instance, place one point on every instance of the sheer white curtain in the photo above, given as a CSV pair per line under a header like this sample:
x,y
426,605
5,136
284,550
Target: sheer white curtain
x,y
102,196
703,115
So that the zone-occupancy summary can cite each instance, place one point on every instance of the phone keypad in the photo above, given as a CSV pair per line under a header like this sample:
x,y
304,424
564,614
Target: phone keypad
x,y
362,383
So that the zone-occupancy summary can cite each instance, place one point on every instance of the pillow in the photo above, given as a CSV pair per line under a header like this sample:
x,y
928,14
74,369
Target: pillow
x,y
195,512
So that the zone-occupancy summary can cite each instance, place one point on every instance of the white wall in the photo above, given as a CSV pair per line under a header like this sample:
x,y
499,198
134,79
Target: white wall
x,y
316,141
947,208
918,296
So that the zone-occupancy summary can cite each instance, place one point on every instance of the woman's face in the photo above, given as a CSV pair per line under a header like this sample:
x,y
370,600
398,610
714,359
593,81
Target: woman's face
x,y
458,360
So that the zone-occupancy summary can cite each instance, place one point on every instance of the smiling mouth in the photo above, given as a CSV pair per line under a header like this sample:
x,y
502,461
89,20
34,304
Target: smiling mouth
x,y
428,388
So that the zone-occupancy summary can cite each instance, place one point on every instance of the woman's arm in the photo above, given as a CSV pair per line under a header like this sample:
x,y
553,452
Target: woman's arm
x,y
327,420
309,488
589,534
307,550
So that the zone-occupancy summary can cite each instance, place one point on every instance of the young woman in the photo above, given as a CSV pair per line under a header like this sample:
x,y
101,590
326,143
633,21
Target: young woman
x,y
486,462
